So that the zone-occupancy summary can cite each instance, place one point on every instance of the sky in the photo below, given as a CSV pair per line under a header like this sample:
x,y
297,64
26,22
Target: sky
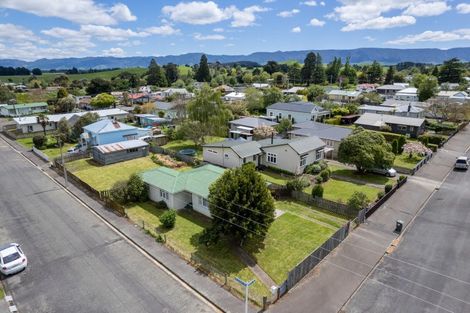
x,y
34,29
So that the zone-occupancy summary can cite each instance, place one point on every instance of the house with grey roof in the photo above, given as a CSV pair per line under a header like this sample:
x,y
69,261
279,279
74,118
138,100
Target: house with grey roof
x,y
290,155
297,112
12,110
407,94
120,151
389,91
343,96
244,127
403,110
408,126
398,103
331,135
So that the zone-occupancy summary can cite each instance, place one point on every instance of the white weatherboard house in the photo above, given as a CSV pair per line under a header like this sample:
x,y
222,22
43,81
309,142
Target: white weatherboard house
x,y
297,112
179,190
245,126
407,94
12,110
344,96
232,153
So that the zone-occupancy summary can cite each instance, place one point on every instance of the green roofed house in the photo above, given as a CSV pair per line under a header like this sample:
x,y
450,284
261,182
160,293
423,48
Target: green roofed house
x,y
12,110
182,189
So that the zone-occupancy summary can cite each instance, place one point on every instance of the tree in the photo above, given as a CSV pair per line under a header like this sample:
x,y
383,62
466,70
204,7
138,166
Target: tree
x,y
65,105
315,93
208,109
271,95
203,73
319,76
241,206
349,72
5,94
36,72
358,201
280,79
271,67
389,77
238,109
435,71
103,100
284,126
254,100
366,150
137,190
171,73
309,68
62,93
84,120
43,120
317,191
428,88
451,71
375,73
193,130
332,70
39,141
63,130
395,148
98,85
62,81
156,75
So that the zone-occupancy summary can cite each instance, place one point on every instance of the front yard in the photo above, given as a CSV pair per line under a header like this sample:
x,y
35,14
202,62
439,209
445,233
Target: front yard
x,y
177,145
51,150
275,178
340,191
368,178
404,161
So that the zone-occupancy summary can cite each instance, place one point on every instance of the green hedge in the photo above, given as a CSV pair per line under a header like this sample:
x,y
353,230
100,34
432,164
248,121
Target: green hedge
x,y
390,136
433,147
432,139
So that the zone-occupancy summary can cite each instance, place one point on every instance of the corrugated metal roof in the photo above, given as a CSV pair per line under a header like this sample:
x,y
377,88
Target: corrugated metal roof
x,y
372,119
242,148
304,107
253,122
121,146
107,126
57,117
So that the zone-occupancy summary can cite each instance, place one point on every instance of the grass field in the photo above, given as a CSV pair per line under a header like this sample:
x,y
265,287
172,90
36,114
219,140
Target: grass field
x,y
340,191
403,160
366,178
51,151
177,145
104,177
275,178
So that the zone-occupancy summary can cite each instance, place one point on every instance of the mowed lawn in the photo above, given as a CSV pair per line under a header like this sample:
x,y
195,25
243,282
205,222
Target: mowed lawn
x,y
177,145
104,177
369,178
50,151
404,160
340,190
276,178
184,238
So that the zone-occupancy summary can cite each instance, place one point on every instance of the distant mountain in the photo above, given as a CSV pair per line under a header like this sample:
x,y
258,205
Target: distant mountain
x,y
362,55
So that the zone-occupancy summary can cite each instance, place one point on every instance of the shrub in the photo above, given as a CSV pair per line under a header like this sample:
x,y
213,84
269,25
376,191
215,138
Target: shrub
x,y
323,165
297,184
137,190
433,147
318,180
161,205
401,177
317,191
333,121
313,169
432,139
380,195
388,188
395,148
119,193
358,201
325,175
39,141
168,219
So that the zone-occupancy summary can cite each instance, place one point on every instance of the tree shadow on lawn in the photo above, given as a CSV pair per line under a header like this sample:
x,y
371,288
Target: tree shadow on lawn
x,y
363,178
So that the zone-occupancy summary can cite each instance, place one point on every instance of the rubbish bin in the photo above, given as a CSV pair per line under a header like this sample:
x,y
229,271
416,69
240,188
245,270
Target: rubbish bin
x,y
399,226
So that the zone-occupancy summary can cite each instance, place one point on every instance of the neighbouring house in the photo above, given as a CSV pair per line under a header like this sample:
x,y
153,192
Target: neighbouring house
x,y
138,98
179,190
331,135
290,155
110,131
225,89
150,120
407,94
260,85
449,86
409,126
234,96
11,110
398,103
29,124
453,96
389,91
366,87
403,110
145,89
245,126
293,90
120,151
170,110
343,96
297,112
177,92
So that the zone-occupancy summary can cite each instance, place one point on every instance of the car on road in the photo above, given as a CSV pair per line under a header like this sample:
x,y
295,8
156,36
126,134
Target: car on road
x,y
12,259
389,172
462,163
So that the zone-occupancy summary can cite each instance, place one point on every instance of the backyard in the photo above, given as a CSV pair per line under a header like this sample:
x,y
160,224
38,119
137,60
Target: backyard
x,y
177,145
52,151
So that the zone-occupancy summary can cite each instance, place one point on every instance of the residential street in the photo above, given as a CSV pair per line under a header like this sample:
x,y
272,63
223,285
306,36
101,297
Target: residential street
x,y
76,262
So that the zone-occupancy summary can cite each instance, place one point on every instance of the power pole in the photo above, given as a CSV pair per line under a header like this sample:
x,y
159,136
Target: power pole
x,y
59,140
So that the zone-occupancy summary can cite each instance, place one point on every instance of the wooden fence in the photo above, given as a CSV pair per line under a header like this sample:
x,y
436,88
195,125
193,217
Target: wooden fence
x,y
371,209
335,207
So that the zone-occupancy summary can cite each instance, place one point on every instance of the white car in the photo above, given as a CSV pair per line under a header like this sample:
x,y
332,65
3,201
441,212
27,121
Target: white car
x,y
462,163
73,150
390,172
12,259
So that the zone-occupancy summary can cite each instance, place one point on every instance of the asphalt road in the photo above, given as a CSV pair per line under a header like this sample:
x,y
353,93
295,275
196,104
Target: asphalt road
x,y
430,270
76,263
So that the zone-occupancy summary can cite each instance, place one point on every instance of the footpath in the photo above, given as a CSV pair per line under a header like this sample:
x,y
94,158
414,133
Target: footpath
x,y
198,281
333,282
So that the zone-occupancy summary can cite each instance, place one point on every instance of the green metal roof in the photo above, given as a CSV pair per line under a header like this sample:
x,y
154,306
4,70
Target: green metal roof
x,y
26,105
196,181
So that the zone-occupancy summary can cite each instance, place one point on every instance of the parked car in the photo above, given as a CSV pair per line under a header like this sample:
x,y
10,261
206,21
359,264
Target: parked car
x,y
12,259
462,163
73,150
390,172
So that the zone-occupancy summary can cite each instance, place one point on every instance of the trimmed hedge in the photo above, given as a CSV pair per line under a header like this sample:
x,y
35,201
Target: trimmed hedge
x,y
433,147
432,139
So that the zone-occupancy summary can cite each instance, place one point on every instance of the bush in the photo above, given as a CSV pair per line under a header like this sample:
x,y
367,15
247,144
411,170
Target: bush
x,y
432,139
168,219
39,141
297,184
317,191
325,175
318,180
137,190
161,205
433,147
388,188
323,165
380,195
333,121
313,169
401,177
119,193
358,201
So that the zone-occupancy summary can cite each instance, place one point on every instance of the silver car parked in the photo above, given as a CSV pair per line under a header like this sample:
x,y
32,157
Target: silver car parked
x,y
12,259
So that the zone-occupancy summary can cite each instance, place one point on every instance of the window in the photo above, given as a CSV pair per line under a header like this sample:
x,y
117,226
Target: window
x,y
271,114
303,160
402,127
271,158
289,117
132,150
226,155
203,202
30,128
319,154
280,115
164,195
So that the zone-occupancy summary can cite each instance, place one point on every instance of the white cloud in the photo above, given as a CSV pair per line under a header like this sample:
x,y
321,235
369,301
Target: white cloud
x,y
219,30
433,36
70,38
201,37
427,8
463,8
77,11
380,23
369,38
316,22
106,33
164,30
113,52
15,33
269,1
296,29
247,16
288,13
322,3
310,3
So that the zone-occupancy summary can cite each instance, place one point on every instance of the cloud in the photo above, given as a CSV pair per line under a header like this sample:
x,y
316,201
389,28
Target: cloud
x,y
164,30
200,37
381,23
269,1
427,8
16,34
106,33
247,16
309,3
296,29
219,30
369,38
290,13
463,8
316,22
433,36
113,52
77,11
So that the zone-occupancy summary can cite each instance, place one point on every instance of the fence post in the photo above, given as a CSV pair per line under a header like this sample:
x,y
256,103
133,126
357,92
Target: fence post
x,y
265,303
143,224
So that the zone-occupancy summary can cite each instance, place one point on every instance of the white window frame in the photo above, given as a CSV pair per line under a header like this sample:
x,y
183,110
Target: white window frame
x,y
203,202
271,158
319,154
164,194
303,160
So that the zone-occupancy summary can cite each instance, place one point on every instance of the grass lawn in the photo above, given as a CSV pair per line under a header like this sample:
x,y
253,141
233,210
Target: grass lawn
x,y
340,191
2,293
275,178
104,177
366,178
184,238
50,151
289,240
404,161
177,145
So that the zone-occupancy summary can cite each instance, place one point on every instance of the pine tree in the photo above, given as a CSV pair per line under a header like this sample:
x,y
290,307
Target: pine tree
x,y
435,71
389,78
349,72
319,76
156,75
309,66
203,73
451,71
333,70
375,73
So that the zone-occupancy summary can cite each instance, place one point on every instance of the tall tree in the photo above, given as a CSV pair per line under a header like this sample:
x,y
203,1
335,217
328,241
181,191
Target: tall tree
x,y
254,100
62,93
309,68
389,77
427,88
203,73
435,71
156,75
333,70
272,95
86,119
43,120
36,71
294,73
103,100
98,85
65,105
271,67
63,130
319,76
451,71
349,72
241,206
315,93
375,73
6,94
171,73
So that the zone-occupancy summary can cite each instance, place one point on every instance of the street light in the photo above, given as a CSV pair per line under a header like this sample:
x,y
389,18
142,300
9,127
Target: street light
x,y
246,285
